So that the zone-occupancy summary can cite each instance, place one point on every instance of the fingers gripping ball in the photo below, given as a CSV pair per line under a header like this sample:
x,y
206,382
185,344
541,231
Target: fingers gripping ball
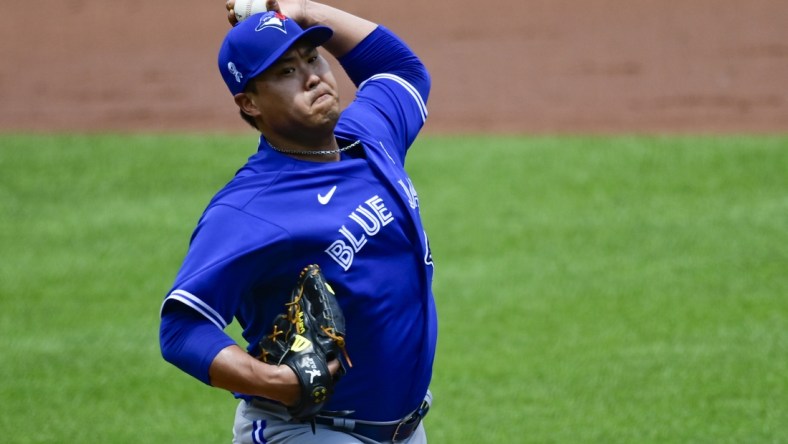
x,y
245,8
310,334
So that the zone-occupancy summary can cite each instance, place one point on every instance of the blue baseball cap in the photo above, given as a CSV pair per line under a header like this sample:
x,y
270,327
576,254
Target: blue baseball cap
x,y
257,42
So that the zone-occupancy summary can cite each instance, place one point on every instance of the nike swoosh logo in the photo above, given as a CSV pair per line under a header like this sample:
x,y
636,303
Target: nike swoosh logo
x,y
323,199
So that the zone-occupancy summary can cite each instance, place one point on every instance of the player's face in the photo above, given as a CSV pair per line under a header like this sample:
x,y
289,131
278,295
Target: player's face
x,y
298,93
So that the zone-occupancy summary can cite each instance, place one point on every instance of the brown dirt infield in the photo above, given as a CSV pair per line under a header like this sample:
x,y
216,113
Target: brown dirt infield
x,y
530,66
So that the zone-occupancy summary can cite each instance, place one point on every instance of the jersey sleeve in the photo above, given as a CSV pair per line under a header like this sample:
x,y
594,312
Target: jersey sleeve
x,y
191,342
393,87
226,259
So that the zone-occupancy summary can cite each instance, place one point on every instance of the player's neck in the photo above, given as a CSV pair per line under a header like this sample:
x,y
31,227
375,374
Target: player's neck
x,y
318,150
303,140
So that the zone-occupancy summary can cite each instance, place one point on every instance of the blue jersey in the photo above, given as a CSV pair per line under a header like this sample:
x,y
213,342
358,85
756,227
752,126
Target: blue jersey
x,y
357,218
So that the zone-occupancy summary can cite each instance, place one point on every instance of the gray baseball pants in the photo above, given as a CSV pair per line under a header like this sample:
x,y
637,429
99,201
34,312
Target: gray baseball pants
x,y
256,424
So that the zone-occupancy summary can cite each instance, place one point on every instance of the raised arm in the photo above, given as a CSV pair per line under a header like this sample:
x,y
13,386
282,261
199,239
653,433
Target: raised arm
x,y
349,30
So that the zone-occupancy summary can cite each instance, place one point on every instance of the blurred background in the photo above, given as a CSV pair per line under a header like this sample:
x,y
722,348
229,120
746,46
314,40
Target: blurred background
x,y
500,65
603,182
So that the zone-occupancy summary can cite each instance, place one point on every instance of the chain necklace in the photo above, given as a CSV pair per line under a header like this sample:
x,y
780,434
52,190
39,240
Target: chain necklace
x,y
313,153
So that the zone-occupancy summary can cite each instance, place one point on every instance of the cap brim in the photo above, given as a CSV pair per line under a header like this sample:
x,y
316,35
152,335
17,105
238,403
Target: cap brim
x,y
317,35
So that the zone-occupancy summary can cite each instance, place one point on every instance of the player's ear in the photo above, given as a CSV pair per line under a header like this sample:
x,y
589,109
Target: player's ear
x,y
247,105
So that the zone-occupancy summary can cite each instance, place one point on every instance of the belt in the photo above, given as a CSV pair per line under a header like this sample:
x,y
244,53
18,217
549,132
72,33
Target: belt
x,y
394,431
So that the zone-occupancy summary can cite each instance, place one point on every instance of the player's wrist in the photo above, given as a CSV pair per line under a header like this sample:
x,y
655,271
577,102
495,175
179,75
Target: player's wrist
x,y
282,384
311,14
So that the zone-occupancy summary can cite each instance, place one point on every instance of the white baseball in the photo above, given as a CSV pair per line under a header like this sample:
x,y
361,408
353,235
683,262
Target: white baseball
x,y
244,8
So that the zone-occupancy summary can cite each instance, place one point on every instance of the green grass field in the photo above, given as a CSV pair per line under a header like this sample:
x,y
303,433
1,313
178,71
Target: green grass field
x,y
590,290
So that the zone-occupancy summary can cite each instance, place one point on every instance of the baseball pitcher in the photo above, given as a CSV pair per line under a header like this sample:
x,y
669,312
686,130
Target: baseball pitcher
x,y
316,246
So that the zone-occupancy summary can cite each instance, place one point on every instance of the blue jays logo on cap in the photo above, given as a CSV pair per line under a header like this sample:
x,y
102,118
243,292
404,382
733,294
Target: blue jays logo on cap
x,y
273,20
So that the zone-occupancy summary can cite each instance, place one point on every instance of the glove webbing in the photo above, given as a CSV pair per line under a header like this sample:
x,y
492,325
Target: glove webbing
x,y
329,331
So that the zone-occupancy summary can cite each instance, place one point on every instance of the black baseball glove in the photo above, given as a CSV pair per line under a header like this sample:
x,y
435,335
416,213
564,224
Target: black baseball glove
x,y
309,335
